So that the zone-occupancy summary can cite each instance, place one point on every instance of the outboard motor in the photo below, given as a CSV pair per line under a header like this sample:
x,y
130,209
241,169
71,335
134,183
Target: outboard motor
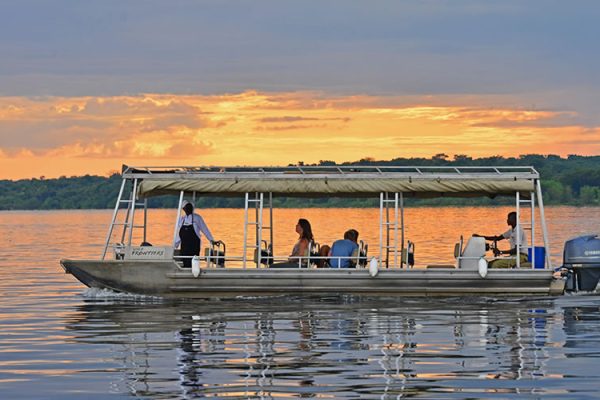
x,y
582,258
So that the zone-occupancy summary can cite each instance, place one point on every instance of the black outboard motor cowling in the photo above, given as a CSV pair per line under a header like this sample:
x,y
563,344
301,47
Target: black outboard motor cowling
x,y
582,257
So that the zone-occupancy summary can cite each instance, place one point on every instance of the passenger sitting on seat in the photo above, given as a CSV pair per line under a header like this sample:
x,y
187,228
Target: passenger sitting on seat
x,y
344,248
359,254
305,237
323,261
511,235
300,249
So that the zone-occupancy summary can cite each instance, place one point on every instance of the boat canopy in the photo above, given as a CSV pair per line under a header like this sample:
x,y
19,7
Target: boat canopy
x,y
258,186
335,181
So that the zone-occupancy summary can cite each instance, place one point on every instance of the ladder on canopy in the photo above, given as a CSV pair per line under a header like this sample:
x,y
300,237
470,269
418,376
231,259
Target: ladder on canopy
x,y
256,201
128,223
391,203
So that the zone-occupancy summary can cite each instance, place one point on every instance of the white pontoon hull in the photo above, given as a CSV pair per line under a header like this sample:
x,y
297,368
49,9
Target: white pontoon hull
x,y
167,279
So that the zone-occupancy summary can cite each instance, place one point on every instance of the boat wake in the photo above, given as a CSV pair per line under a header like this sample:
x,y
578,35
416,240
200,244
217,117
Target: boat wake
x,y
107,294
587,293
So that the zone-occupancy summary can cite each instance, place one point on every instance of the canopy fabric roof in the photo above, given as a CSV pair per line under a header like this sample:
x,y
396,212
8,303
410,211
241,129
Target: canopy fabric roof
x,y
295,185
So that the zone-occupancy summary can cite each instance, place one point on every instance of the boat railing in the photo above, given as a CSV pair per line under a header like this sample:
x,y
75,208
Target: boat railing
x,y
209,261
186,172
217,261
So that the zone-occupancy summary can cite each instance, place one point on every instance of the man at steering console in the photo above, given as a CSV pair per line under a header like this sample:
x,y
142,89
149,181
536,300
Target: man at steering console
x,y
512,236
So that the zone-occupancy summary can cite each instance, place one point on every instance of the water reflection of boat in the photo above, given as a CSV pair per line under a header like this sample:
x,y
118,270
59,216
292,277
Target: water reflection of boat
x,y
391,271
236,348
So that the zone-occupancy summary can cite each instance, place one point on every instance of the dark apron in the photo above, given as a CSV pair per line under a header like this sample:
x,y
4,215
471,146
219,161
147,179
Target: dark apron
x,y
190,243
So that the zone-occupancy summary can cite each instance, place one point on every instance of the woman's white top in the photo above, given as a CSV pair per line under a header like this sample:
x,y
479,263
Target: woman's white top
x,y
199,226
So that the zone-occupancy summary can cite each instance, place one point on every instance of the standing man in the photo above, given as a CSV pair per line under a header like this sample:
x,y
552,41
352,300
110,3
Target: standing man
x,y
512,235
190,226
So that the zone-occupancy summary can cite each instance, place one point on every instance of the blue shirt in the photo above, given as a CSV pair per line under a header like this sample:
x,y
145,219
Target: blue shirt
x,y
342,248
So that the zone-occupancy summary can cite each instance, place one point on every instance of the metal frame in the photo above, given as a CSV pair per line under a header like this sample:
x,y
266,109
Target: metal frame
x,y
533,195
258,200
129,221
391,226
538,188
134,174
114,218
170,172
518,228
532,240
177,216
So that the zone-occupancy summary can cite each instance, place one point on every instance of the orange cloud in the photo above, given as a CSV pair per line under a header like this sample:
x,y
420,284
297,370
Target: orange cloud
x,y
56,136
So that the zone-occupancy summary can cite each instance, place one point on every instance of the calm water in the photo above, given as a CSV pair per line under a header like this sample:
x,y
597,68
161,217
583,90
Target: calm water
x,y
60,340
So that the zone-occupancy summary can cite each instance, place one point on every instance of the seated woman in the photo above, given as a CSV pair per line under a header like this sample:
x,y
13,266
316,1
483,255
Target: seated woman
x,y
305,237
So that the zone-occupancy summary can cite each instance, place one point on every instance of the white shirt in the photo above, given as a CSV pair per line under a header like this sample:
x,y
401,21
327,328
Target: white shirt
x,y
199,226
511,235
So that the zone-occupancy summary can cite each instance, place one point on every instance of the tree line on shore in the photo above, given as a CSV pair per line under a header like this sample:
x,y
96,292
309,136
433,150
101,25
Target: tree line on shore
x,y
574,180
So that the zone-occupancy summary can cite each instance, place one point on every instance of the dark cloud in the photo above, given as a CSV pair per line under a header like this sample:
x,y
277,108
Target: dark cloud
x,y
522,118
286,119
290,127
55,122
50,133
113,47
299,119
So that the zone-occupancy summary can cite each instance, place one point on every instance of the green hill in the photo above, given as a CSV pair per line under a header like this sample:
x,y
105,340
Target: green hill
x,y
574,180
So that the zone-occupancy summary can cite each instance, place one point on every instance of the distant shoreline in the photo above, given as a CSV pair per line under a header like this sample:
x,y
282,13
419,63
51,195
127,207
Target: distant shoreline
x,y
571,181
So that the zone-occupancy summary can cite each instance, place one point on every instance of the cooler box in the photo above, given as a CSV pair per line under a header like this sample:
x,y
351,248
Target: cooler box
x,y
540,256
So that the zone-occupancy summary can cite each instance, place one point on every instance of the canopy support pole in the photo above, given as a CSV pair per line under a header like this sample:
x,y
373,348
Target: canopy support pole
x,y
396,231
145,218
538,188
132,208
259,227
175,233
245,249
532,196
518,228
271,220
114,217
402,224
381,228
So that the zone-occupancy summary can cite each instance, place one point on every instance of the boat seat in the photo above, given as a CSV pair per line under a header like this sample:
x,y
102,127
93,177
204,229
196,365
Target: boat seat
x,y
458,250
266,254
359,255
407,255
474,250
216,254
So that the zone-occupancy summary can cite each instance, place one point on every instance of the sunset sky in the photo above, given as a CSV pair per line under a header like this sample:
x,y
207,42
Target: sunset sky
x,y
87,86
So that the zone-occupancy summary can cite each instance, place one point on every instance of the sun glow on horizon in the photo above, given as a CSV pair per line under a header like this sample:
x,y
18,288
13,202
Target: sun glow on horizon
x,y
93,135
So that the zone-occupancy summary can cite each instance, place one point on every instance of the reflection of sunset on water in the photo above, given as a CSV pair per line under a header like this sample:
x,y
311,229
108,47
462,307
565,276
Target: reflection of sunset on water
x,y
56,332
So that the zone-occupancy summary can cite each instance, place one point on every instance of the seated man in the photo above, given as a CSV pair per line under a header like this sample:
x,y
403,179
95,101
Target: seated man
x,y
343,248
511,235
